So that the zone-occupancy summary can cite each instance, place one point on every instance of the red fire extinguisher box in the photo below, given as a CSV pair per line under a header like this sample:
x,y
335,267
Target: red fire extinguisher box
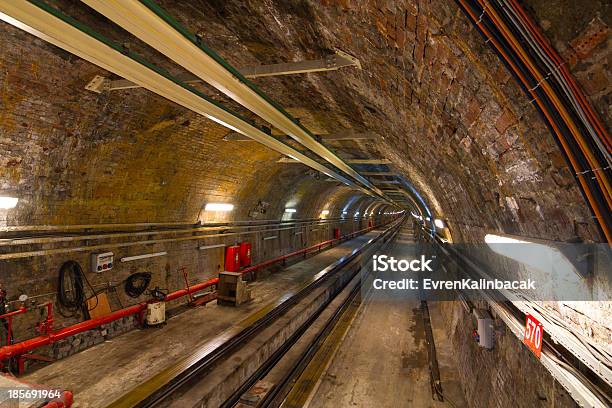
x,y
336,233
232,258
245,253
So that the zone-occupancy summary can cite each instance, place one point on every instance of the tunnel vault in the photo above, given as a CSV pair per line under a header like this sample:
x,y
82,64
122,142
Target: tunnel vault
x,y
370,108
442,107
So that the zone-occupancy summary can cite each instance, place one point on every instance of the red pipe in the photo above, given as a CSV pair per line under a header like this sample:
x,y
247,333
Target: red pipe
x,y
302,251
40,341
21,310
64,402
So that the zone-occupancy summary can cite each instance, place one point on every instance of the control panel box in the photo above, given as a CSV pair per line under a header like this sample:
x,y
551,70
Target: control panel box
x,y
102,262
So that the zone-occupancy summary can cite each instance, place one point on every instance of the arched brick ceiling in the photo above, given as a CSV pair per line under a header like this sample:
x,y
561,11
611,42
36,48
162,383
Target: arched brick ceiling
x,y
449,117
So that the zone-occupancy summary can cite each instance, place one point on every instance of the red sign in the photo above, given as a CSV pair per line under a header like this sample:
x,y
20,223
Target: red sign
x,y
533,335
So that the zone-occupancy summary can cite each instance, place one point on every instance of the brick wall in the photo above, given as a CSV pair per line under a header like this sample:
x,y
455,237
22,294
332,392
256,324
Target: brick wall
x,y
509,375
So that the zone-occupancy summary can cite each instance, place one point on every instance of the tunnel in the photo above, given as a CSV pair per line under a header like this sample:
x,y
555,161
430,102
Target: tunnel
x,y
305,203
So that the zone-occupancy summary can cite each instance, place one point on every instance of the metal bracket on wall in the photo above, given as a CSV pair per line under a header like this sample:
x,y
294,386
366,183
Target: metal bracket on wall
x,y
330,62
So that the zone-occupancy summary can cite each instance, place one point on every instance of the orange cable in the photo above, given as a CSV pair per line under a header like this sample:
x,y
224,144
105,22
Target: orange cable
x,y
571,158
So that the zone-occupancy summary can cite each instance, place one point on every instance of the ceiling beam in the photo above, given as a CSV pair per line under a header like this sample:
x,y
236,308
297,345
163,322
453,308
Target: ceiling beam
x,y
349,161
378,173
384,181
369,161
59,30
152,25
237,137
331,62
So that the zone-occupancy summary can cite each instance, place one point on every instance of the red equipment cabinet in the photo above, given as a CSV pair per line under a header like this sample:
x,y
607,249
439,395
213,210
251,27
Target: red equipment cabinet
x,y
336,233
245,253
232,258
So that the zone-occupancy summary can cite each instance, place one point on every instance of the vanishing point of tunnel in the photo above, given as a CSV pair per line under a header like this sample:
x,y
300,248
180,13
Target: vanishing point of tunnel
x,y
305,203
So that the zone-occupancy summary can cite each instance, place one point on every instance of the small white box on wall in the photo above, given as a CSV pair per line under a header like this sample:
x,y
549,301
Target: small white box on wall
x,y
102,262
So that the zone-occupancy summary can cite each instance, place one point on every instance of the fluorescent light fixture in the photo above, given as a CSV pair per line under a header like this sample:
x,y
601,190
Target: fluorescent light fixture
x,y
427,219
439,223
143,256
225,207
357,213
498,239
290,210
8,202
211,246
325,212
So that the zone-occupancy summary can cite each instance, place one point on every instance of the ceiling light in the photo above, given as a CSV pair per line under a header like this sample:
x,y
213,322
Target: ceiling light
x,y
324,212
439,223
498,239
219,207
8,202
290,210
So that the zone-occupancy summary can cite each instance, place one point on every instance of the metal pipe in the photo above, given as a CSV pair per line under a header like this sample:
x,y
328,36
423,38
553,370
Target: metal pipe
x,y
65,402
44,252
70,238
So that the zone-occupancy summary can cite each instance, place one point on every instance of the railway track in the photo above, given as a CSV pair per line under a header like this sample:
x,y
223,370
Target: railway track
x,y
188,382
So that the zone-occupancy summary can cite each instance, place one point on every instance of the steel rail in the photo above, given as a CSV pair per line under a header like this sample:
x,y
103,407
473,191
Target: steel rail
x,y
571,378
264,369
154,26
43,21
169,381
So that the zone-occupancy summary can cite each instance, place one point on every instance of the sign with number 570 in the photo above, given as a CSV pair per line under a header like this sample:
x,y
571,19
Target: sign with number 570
x,y
533,335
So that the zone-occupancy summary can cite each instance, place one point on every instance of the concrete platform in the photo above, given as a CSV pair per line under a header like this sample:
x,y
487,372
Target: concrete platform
x,y
103,373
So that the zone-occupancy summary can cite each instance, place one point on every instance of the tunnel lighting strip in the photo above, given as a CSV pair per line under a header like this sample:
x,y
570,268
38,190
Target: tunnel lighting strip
x,y
7,203
153,25
47,23
143,256
211,246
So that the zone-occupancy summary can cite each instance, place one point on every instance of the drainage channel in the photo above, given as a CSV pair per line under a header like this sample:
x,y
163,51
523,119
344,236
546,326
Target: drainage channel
x,y
214,374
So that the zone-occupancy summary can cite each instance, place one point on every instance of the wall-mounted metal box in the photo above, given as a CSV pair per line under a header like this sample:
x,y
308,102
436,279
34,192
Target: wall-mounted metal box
x,y
102,262
485,328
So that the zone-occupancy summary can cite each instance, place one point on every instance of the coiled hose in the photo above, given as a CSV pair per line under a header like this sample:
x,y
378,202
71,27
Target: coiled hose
x,y
71,292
